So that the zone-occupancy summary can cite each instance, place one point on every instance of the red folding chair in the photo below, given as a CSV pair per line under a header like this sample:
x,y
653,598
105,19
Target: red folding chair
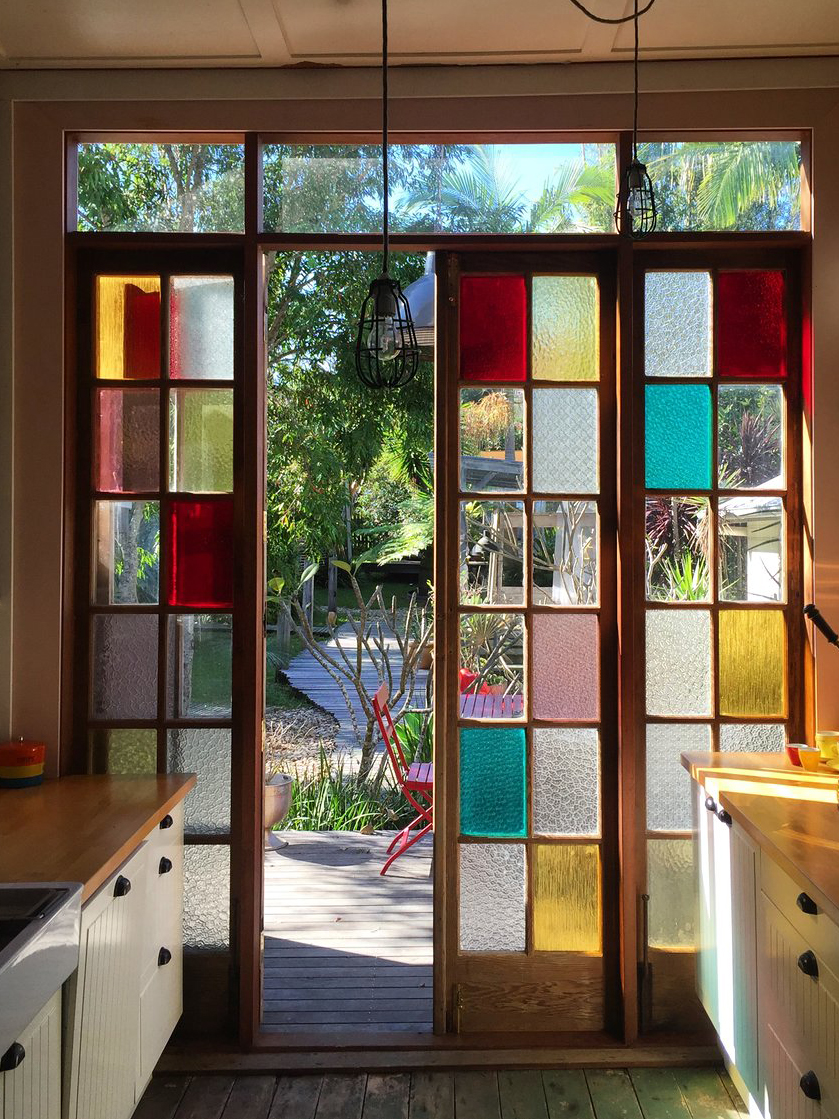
x,y
415,780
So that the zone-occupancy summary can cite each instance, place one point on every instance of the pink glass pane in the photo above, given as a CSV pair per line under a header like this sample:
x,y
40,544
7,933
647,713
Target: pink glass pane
x,y
127,455
566,674
493,328
751,324
201,554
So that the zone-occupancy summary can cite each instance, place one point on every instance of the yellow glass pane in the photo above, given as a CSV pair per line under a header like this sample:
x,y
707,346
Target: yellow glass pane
x,y
127,327
566,898
752,656
566,343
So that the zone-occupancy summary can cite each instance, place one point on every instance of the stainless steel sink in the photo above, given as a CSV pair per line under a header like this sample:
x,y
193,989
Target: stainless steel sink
x,y
39,948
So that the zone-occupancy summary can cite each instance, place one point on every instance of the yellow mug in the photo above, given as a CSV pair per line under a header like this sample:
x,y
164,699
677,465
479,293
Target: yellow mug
x,y
828,744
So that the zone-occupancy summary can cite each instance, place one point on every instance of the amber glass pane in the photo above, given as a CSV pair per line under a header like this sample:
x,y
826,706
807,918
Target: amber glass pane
x,y
201,440
566,338
752,662
201,324
492,440
566,897
492,564
493,316
128,327
126,549
126,447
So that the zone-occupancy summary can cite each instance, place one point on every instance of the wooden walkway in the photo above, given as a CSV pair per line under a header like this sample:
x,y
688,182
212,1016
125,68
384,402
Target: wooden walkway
x,y
345,948
590,1094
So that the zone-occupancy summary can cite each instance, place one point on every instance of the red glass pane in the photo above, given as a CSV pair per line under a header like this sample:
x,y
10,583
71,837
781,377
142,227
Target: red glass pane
x,y
127,451
751,324
142,333
201,554
493,328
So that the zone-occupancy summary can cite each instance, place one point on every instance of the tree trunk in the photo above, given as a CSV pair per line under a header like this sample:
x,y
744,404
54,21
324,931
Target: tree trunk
x,y
332,588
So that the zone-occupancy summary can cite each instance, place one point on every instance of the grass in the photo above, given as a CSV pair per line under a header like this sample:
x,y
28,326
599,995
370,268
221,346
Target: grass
x,y
330,799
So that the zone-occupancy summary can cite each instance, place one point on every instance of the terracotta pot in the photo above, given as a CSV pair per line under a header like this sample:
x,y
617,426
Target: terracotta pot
x,y
426,657
277,801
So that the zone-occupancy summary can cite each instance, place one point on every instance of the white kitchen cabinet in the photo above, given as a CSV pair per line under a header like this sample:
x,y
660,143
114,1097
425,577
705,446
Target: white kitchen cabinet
x,y
33,1089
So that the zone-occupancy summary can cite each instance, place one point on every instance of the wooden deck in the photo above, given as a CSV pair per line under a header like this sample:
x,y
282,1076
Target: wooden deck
x,y
345,948
591,1094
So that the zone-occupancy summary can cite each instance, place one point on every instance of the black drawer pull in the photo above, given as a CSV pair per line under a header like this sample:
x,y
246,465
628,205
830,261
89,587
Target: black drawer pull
x,y
164,866
166,822
724,817
808,963
809,1084
12,1057
710,804
806,904
122,886
163,957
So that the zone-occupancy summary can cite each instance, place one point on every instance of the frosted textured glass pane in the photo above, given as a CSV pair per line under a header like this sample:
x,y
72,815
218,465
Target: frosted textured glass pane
x,y
566,666
752,662
493,781
201,327
564,556
492,893
491,666
200,666
206,897
767,738
566,898
124,666
677,324
566,781
123,751
670,884
492,440
751,537
201,440
207,753
750,436
126,550
677,536
492,552
566,336
677,437
678,662
565,441
127,440
127,327
668,784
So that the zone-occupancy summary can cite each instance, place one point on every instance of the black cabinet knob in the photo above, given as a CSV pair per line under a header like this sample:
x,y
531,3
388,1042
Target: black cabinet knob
x,y
809,1084
806,904
12,1057
164,866
724,817
710,804
122,886
808,963
163,957
166,822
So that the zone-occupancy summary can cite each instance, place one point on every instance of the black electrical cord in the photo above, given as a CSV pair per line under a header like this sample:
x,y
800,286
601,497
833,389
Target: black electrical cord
x,y
385,214
623,19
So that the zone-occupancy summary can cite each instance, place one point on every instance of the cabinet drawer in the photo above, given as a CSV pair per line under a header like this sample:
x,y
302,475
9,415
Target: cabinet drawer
x,y
784,1098
163,907
161,838
33,1089
817,928
161,1004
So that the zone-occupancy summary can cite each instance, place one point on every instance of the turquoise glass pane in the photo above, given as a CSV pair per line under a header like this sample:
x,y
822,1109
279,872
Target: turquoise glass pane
x,y
493,781
678,437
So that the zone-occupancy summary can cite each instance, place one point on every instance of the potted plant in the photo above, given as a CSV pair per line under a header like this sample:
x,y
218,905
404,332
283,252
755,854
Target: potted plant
x,y
276,803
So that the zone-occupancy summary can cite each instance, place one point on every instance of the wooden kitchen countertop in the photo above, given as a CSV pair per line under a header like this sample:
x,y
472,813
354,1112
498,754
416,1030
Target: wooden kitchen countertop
x,y
80,829
755,767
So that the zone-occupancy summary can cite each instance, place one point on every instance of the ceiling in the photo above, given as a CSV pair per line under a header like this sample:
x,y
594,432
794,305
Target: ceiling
x,y
203,33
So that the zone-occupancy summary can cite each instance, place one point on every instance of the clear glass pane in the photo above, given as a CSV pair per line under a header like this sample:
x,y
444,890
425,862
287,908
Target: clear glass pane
x,y
201,328
124,666
206,753
161,188
678,543
750,436
493,782
127,327
492,897
566,898
126,549
127,440
206,897
491,666
566,328
677,324
566,666
677,437
566,781
752,662
201,440
668,784
123,751
492,440
766,738
565,441
751,544
678,669
491,552
565,538
200,666
670,884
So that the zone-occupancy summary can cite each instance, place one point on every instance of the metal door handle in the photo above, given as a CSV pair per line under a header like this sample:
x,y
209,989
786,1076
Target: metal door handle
x,y
164,866
122,886
13,1056
710,804
806,904
163,957
166,822
808,963
724,818
809,1084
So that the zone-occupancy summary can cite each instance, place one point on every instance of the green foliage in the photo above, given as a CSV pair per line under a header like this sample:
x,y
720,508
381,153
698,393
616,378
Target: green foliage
x,y
416,733
332,799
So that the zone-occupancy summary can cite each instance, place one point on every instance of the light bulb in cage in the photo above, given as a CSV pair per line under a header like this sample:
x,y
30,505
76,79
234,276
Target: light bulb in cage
x,y
636,214
386,354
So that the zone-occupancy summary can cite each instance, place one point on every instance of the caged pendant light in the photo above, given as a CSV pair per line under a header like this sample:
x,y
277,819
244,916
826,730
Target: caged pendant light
x,y
387,355
635,214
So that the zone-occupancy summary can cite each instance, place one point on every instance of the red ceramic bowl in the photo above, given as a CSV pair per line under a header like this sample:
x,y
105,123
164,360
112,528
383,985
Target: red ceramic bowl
x,y
22,753
792,753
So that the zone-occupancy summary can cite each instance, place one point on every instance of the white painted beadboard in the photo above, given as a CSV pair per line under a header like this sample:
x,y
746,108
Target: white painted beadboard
x,y
33,1089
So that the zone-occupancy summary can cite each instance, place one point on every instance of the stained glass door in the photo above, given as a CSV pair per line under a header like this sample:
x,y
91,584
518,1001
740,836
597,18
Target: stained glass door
x,y
528,665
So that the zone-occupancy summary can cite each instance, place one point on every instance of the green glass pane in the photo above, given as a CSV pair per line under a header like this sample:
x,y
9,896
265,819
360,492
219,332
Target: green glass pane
x,y
492,781
566,344
123,751
201,440
678,437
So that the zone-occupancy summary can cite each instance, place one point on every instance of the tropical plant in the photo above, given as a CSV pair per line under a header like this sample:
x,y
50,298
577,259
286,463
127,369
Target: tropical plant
x,y
678,548
333,798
